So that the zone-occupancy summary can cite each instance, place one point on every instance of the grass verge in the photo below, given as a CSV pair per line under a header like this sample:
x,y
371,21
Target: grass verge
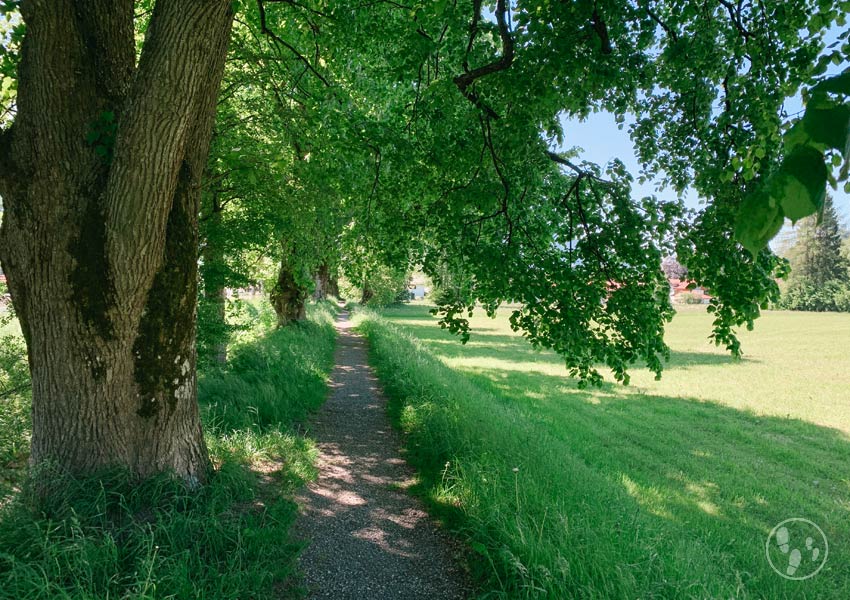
x,y
113,537
613,492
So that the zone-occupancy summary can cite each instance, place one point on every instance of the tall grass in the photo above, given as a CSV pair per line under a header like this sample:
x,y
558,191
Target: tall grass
x,y
291,363
111,536
609,493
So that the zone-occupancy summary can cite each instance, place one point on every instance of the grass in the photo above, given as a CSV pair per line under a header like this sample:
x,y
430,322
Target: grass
x,y
113,537
659,490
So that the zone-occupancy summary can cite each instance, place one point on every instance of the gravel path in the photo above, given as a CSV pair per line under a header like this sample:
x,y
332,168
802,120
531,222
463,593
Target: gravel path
x,y
368,539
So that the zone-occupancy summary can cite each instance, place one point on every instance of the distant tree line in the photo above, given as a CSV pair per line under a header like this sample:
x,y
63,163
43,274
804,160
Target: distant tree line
x,y
820,268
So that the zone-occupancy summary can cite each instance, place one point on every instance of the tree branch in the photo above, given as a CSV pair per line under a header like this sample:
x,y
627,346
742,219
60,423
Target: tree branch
x,y
466,79
280,42
670,33
735,16
601,30
557,158
7,168
303,7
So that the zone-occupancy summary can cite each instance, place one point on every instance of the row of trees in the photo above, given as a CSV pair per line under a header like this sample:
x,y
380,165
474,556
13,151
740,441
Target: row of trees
x,y
150,138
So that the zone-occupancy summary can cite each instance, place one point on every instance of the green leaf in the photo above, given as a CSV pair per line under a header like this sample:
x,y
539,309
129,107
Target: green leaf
x,y
759,219
479,548
830,127
800,184
838,84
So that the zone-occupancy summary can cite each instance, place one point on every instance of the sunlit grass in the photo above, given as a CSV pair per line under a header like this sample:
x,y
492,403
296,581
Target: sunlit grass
x,y
662,489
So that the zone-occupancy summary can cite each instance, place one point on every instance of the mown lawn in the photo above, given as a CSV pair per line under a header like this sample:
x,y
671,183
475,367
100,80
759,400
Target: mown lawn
x,y
663,489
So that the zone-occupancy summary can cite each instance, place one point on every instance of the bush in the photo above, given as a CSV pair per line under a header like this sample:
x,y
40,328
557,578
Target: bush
x,y
384,287
690,298
14,401
244,318
832,296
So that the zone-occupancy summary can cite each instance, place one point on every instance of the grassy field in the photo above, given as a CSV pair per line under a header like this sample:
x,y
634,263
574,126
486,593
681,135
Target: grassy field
x,y
663,489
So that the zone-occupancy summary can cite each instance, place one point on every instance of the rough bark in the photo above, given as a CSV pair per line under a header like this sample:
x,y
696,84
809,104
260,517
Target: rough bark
x,y
99,176
288,297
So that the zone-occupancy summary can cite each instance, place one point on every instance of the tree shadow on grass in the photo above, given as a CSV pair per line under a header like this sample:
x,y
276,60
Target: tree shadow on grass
x,y
500,346
641,495
706,481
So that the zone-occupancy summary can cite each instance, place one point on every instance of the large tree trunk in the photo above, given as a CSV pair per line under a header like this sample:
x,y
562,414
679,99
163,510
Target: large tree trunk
x,y
99,176
288,297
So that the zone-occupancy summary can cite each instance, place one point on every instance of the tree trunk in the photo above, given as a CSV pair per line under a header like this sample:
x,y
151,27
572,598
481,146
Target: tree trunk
x,y
333,287
288,297
323,282
219,299
99,175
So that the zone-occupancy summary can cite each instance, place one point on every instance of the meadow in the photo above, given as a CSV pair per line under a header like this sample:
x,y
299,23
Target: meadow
x,y
662,489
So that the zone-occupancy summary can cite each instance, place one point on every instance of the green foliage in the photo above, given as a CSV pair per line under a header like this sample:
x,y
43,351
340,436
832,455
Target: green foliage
x,y
272,380
101,135
829,296
815,145
820,273
449,152
14,398
384,286
817,255
243,319
11,34
473,184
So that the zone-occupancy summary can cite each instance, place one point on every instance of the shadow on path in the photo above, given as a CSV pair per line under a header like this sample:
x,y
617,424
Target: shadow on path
x,y
368,538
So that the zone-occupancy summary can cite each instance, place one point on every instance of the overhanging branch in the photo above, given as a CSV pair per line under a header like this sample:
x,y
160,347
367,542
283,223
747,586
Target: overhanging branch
x,y
278,41
466,79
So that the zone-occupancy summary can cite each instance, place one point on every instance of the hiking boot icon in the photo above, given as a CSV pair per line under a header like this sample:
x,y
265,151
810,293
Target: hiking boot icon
x,y
796,560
